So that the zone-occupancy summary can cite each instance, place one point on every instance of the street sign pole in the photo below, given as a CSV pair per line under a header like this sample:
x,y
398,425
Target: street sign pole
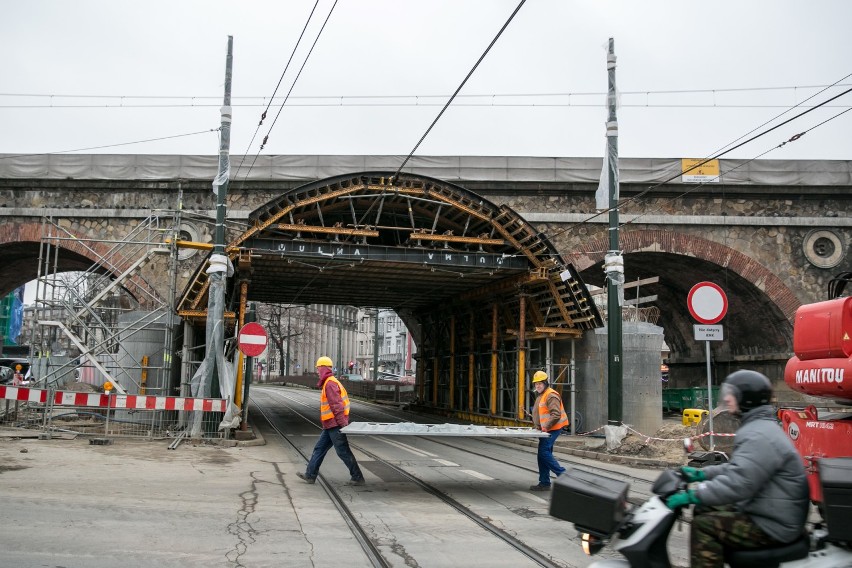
x,y
251,315
709,395
708,304
251,341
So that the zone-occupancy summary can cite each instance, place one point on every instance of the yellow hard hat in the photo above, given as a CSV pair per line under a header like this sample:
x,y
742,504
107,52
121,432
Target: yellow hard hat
x,y
324,362
539,376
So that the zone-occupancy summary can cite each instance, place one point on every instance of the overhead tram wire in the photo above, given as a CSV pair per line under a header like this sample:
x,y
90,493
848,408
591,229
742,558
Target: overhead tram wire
x,y
10,156
797,105
793,138
644,192
292,86
281,78
341,98
481,57
416,105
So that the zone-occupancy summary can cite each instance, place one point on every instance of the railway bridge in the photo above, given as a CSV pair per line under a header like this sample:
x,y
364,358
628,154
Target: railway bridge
x,y
481,256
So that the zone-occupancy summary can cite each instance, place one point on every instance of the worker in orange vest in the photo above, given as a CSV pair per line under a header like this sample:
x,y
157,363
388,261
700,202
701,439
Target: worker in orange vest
x,y
548,416
334,413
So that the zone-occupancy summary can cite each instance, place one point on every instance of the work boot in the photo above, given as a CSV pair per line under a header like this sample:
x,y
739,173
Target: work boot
x,y
356,482
539,487
307,479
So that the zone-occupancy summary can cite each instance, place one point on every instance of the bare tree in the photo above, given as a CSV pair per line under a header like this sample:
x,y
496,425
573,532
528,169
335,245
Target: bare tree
x,y
285,322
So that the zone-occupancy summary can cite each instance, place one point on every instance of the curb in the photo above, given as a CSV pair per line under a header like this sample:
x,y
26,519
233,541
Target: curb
x,y
564,448
258,440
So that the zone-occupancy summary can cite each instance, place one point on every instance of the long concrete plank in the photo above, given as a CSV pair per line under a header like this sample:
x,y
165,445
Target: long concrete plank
x,y
414,429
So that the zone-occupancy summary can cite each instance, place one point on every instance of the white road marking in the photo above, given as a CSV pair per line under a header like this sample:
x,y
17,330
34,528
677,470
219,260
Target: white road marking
x,y
408,448
531,497
446,463
477,475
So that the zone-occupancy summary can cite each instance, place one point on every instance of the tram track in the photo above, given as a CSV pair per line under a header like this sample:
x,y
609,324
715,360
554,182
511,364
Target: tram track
x,y
377,410
373,552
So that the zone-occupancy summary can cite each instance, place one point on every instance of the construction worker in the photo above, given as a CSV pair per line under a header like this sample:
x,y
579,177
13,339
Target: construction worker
x,y
548,416
334,413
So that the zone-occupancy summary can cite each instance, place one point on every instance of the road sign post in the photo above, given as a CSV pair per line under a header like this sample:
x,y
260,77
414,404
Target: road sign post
x,y
708,304
251,341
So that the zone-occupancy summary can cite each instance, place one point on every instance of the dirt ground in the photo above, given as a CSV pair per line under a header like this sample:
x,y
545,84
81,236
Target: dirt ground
x,y
668,448
667,442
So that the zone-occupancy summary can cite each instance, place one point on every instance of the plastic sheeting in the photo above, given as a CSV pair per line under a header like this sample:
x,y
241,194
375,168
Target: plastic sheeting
x,y
449,168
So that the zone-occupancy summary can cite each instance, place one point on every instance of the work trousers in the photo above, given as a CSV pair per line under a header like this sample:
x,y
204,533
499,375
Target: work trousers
x,y
328,438
717,528
546,461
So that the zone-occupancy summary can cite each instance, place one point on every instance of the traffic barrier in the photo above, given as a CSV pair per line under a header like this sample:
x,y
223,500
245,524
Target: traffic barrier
x,y
112,414
138,402
24,394
121,401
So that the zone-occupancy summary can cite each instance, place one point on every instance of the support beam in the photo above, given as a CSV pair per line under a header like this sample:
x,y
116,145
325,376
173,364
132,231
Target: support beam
x,y
452,397
471,345
493,359
522,352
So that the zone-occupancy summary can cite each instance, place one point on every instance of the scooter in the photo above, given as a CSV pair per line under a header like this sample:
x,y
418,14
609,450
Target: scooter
x,y
598,508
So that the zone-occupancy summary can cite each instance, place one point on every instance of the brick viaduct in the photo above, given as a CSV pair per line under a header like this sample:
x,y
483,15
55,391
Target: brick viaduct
x,y
771,233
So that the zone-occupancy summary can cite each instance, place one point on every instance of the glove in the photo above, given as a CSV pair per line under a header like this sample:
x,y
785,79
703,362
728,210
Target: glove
x,y
682,499
692,474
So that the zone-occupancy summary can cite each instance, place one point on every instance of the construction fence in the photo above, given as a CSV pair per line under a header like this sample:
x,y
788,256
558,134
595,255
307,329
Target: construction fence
x,y
49,411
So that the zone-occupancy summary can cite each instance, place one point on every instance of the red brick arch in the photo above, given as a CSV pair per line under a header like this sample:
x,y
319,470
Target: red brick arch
x,y
30,231
591,252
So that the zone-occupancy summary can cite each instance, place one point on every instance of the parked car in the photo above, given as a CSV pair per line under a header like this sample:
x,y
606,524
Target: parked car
x,y
354,377
6,375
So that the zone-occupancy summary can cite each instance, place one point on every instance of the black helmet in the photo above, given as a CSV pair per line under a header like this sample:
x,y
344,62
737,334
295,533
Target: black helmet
x,y
750,388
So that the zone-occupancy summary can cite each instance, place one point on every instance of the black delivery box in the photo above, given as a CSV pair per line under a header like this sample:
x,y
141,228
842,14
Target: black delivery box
x,y
592,502
835,478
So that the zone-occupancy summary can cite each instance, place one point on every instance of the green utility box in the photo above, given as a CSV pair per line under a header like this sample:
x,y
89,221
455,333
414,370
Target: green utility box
x,y
691,397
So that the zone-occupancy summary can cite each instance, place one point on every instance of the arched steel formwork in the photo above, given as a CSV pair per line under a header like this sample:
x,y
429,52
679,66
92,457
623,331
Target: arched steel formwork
x,y
475,283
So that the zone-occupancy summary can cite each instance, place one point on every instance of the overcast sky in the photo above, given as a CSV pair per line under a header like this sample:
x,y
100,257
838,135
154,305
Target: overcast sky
x,y
694,76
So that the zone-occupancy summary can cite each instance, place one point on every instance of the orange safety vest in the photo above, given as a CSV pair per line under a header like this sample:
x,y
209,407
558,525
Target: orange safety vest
x,y
325,408
544,412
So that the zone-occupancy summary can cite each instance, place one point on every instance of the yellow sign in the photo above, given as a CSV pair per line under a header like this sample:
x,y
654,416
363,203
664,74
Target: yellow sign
x,y
707,172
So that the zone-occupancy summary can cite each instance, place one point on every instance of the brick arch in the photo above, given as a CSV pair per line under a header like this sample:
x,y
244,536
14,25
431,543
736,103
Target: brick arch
x,y
592,252
26,231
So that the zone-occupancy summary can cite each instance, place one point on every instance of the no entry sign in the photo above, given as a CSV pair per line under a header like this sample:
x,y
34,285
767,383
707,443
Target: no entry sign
x,y
707,302
252,339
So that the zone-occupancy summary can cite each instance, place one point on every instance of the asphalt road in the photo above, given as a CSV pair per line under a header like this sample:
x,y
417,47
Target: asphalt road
x,y
71,504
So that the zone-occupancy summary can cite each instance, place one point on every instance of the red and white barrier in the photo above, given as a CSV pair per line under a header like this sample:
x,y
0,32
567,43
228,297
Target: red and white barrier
x,y
123,401
25,394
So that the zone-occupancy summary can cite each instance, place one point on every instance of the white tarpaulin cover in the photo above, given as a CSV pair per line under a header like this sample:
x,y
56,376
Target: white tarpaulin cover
x,y
448,168
412,429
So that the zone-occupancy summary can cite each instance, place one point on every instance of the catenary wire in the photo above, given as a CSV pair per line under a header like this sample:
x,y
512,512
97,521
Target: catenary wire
x,y
441,96
281,78
416,105
481,57
644,192
798,105
112,145
292,86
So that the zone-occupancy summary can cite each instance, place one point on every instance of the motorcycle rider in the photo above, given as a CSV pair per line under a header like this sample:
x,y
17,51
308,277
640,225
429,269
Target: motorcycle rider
x,y
760,498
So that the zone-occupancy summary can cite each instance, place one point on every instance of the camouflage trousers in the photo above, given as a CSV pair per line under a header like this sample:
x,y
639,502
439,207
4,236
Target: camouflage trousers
x,y
717,528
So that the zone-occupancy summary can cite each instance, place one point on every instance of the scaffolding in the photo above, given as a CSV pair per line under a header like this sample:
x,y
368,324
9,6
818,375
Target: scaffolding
x,y
107,327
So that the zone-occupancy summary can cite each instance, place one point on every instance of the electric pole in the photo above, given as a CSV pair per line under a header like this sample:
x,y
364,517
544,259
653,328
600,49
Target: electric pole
x,y
614,262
